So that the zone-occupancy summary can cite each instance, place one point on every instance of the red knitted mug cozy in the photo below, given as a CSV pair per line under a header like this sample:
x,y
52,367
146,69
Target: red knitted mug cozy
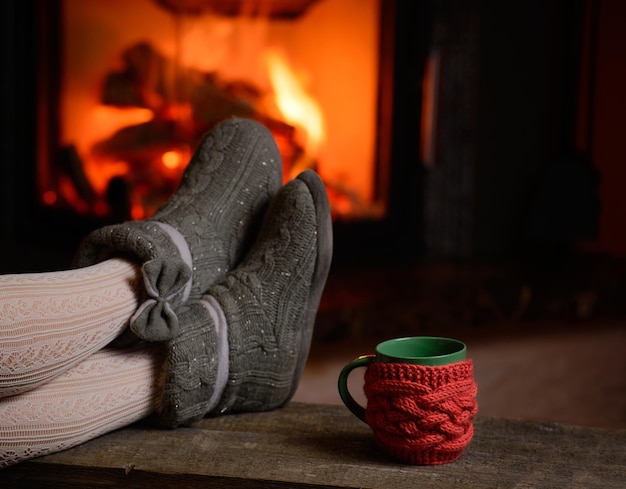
x,y
419,414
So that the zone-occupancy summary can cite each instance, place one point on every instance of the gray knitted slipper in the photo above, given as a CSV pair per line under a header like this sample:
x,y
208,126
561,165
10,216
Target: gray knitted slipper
x,y
244,345
203,230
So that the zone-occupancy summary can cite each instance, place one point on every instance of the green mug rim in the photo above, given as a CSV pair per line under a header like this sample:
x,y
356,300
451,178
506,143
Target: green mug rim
x,y
455,351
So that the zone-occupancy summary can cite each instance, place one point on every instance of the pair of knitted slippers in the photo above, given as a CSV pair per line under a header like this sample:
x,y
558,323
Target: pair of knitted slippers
x,y
234,265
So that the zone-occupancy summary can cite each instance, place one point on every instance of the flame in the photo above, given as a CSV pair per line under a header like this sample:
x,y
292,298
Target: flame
x,y
172,159
100,173
102,121
137,212
297,106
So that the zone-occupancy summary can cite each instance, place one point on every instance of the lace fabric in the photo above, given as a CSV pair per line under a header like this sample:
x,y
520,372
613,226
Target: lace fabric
x,y
110,389
51,321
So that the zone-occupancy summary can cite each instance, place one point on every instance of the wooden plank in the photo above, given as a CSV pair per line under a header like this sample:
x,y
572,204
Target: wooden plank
x,y
305,446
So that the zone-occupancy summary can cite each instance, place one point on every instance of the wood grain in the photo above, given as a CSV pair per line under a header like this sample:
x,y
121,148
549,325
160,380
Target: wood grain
x,y
313,446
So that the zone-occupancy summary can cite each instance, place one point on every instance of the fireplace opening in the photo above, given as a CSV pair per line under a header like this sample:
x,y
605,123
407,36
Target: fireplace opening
x,y
111,98
142,81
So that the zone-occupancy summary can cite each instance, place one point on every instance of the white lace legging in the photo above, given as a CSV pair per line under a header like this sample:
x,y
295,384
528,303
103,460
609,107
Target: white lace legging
x,y
59,386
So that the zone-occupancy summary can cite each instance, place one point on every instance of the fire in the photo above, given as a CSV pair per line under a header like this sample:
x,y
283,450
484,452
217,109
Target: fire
x,y
171,159
99,123
166,80
297,106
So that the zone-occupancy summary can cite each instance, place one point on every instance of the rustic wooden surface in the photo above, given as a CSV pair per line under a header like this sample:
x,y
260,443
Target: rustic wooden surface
x,y
307,445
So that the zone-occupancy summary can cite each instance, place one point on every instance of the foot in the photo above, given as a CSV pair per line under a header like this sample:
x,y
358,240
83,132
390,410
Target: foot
x,y
251,334
203,230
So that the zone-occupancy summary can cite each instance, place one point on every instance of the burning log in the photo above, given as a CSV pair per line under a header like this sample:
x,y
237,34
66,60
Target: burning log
x,y
145,82
186,103
142,83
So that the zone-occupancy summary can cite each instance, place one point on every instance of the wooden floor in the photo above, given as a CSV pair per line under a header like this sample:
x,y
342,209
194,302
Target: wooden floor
x,y
314,446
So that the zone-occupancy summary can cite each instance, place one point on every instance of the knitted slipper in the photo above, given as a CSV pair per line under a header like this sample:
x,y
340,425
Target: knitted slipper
x,y
203,230
244,345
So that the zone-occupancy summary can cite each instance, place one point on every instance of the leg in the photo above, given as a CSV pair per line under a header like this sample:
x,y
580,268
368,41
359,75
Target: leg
x,y
48,322
51,321
241,348
108,390
56,389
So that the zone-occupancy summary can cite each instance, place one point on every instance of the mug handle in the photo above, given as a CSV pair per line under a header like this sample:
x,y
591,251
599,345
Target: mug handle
x,y
342,383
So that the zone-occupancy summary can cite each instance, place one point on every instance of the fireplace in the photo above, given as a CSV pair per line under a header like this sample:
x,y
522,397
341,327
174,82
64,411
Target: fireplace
x,y
458,119
124,90
136,97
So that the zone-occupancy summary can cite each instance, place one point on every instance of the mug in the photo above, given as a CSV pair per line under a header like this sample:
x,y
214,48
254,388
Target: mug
x,y
421,397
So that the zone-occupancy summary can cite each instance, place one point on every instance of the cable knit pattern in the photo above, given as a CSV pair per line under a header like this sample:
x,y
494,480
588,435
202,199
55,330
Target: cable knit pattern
x,y
214,215
270,301
268,304
190,368
419,414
